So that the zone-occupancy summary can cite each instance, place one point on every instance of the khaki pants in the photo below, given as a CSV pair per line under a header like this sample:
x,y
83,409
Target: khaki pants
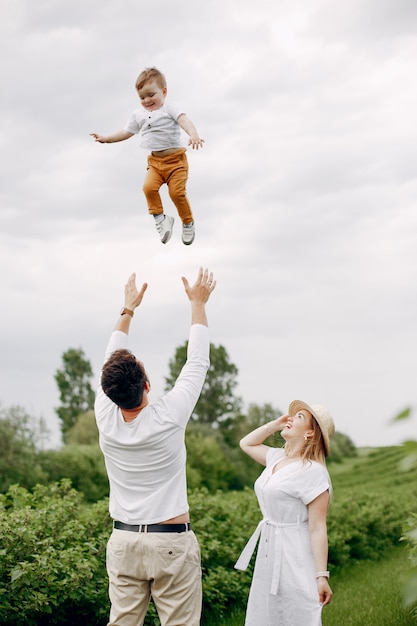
x,y
172,170
165,566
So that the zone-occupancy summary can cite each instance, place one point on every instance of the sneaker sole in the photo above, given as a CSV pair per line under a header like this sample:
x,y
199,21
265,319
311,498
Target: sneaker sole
x,y
167,237
168,234
188,243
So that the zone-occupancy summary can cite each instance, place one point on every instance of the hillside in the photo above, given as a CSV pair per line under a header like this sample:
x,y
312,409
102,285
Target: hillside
x,y
372,499
374,469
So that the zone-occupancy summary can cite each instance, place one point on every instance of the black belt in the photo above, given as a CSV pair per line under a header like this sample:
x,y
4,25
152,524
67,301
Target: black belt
x,y
153,528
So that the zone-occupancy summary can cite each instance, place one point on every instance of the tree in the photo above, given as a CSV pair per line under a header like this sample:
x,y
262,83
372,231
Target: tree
x,y
83,465
217,400
84,432
238,425
20,438
208,460
75,391
341,447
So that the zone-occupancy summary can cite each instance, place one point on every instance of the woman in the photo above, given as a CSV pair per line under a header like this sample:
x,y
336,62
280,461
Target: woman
x,y
290,580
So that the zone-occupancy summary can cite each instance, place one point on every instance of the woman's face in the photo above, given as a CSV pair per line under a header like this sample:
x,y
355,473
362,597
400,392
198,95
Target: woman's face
x,y
298,426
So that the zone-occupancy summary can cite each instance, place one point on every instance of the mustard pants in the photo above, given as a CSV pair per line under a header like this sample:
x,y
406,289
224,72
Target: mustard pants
x,y
172,170
165,566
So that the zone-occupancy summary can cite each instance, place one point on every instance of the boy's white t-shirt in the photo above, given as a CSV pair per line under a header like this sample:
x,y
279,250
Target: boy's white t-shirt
x,y
145,459
159,130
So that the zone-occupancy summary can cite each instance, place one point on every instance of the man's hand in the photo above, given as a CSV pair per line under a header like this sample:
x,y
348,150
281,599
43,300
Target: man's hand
x,y
198,295
133,297
202,288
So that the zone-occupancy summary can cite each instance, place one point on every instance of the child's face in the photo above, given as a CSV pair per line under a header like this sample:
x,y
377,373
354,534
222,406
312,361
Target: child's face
x,y
152,97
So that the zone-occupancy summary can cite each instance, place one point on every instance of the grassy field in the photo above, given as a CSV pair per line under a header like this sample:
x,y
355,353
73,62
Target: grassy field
x,y
365,594
369,594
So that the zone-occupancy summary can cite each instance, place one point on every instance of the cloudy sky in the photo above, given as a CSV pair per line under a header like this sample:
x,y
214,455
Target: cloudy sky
x,y
304,196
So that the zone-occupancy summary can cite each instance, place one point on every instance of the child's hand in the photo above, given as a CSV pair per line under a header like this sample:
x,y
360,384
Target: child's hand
x,y
98,138
195,142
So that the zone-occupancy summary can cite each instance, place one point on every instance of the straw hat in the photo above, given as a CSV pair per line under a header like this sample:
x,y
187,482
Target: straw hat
x,y
322,417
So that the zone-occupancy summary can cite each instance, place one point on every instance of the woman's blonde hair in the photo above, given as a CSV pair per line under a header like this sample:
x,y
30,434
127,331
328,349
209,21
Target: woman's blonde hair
x,y
314,449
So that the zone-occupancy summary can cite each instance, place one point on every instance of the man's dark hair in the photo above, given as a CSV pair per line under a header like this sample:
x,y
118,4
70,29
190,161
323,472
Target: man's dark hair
x,y
123,379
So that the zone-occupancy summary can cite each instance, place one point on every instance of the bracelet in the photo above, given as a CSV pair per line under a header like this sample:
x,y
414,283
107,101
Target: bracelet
x,y
324,574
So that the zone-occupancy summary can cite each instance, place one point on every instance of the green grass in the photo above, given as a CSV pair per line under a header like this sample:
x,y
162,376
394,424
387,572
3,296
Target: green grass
x,y
372,469
367,593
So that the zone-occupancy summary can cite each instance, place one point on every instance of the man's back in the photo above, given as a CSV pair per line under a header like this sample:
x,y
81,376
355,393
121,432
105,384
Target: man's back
x,y
145,458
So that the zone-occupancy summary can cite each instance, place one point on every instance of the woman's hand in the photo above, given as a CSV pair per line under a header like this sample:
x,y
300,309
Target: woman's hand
x,y
325,593
280,423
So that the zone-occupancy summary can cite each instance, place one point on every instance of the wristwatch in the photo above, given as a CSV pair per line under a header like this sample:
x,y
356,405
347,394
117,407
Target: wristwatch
x,y
125,311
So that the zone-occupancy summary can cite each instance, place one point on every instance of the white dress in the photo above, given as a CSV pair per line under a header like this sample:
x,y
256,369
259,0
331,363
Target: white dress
x,y
284,588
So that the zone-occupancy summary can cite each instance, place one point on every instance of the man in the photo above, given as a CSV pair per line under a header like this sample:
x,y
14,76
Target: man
x,y
152,550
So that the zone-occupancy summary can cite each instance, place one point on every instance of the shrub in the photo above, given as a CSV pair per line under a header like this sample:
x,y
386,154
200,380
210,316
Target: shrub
x,y
410,589
83,465
223,523
52,557
53,544
361,528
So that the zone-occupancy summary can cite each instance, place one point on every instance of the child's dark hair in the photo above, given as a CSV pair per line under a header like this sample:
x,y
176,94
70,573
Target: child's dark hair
x,y
148,74
123,379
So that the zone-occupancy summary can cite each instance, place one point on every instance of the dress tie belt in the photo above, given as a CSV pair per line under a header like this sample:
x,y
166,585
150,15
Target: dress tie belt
x,y
247,552
153,528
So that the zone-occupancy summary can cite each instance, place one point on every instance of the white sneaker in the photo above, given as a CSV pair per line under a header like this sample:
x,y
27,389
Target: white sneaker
x,y
188,233
164,228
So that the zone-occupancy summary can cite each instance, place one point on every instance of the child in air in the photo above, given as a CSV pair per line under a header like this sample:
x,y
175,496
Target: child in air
x,y
160,126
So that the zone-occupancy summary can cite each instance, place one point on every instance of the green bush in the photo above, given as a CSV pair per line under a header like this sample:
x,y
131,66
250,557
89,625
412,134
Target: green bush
x,y
223,522
53,554
52,557
207,465
53,544
410,589
83,465
362,528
